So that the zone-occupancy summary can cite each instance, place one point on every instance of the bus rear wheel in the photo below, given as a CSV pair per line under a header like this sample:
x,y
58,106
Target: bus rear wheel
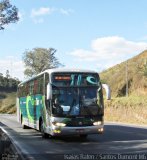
x,y
41,128
23,126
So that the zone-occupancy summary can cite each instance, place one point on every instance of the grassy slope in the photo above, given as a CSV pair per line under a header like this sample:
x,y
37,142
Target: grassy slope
x,y
132,109
116,76
8,103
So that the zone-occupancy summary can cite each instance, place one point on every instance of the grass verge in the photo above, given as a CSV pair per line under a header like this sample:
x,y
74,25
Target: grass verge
x,y
132,109
8,103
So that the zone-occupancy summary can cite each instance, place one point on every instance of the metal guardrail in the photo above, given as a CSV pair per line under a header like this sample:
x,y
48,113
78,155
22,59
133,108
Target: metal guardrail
x,y
8,150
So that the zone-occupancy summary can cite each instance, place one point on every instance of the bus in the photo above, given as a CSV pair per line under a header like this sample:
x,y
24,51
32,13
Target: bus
x,y
60,102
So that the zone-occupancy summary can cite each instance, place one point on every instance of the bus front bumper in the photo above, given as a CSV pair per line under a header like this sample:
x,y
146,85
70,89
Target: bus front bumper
x,y
59,131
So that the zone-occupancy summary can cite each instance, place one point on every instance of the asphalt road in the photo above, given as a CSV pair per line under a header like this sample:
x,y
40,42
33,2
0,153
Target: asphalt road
x,y
118,140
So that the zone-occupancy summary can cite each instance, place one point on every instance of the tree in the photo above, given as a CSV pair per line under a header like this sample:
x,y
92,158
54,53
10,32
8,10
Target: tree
x,y
1,79
142,67
38,60
8,13
7,74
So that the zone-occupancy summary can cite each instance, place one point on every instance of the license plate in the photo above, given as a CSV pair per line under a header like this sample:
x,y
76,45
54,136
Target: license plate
x,y
79,130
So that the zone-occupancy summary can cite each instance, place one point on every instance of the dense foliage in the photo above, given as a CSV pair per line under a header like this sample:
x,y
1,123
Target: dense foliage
x,y
38,60
7,83
8,13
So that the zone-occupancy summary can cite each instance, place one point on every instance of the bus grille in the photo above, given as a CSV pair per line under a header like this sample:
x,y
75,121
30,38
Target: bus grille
x,y
79,123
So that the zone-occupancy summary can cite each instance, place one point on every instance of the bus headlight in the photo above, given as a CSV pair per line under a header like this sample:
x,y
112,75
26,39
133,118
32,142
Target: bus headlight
x,y
59,124
97,123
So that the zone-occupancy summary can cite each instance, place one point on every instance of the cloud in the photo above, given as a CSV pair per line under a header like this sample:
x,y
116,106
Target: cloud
x,y
38,14
39,20
144,38
21,16
108,51
47,10
14,65
65,11
41,11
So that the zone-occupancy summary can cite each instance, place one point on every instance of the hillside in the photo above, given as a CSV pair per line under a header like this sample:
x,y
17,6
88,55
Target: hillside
x,y
8,102
8,88
134,70
131,108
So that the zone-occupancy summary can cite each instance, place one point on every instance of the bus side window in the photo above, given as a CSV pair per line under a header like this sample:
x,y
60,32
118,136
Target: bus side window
x,y
40,85
31,88
19,91
27,89
35,86
46,82
23,91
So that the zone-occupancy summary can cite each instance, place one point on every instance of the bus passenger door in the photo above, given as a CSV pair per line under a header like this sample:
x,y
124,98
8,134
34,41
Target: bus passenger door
x,y
47,102
31,105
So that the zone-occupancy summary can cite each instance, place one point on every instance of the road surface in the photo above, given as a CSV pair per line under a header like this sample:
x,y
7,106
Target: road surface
x,y
118,140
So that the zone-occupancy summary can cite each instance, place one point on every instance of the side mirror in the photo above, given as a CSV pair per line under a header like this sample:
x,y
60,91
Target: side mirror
x,y
108,91
49,92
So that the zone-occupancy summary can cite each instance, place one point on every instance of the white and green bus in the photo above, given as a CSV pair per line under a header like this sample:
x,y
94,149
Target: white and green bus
x,y
62,102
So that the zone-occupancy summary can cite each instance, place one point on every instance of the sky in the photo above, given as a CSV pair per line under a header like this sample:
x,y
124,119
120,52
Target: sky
x,y
87,34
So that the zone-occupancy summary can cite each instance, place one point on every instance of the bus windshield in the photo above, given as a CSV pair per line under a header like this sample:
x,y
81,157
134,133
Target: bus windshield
x,y
75,94
75,101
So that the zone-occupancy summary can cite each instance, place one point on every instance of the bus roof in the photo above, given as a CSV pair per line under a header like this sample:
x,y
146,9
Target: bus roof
x,y
69,70
56,70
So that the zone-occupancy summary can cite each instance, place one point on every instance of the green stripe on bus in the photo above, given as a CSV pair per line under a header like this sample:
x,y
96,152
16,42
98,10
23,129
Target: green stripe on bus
x,y
29,100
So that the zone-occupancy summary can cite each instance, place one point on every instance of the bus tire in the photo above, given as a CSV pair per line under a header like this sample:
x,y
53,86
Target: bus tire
x,y
41,128
23,126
